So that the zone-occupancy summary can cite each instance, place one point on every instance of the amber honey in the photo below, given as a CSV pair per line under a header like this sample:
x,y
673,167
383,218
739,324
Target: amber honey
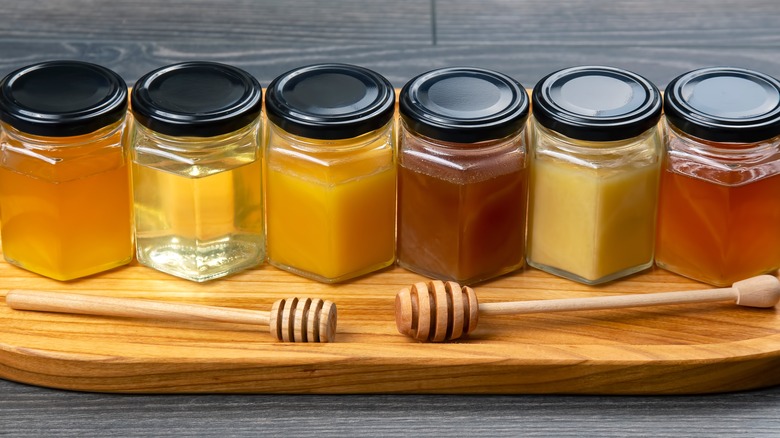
x,y
462,183
465,229
75,225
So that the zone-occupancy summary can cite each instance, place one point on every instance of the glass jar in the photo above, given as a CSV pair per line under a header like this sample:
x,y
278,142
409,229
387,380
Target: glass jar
x,y
594,174
462,183
197,176
64,179
719,206
330,172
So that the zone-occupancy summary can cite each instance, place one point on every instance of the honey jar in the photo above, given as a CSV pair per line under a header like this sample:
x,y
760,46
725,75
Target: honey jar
x,y
719,205
331,173
595,161
197,170
462,184
64,181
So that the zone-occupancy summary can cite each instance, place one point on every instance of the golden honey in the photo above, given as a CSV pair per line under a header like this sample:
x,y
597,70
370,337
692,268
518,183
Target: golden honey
x,y
328,222
64,182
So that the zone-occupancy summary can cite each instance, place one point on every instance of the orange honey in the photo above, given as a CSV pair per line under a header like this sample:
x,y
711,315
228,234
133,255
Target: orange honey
x,y
716,233
719,198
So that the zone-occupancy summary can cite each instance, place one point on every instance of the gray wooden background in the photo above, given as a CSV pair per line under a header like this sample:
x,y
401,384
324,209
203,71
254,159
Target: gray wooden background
x,y
399,38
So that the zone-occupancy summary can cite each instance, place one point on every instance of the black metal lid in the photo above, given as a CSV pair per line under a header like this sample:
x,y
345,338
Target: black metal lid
x,y
464,104
596,103
196,99
330,101
725,104
62,98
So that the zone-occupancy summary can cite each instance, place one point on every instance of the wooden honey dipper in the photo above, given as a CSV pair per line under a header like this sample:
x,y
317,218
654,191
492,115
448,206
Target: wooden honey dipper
x,y
290,320
440,311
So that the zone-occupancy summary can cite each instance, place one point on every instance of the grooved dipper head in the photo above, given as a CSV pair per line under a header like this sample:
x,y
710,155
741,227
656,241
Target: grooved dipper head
x,y
303,320
436,311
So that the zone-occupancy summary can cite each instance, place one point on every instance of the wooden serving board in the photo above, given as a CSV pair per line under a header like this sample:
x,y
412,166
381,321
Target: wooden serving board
x,y
669,349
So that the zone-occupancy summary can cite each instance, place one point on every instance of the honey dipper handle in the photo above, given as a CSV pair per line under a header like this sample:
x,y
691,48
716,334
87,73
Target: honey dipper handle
x,y
606,302
760,291
64,302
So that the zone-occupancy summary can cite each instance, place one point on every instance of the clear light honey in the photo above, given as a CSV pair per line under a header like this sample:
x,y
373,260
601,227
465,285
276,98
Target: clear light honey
x,y
197,170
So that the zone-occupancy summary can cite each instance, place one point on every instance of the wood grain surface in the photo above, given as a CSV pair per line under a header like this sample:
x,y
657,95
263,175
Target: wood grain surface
x,y
694,348
526,39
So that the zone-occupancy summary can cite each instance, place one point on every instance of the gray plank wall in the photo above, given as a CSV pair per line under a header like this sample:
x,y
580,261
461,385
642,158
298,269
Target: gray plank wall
x,y
526,39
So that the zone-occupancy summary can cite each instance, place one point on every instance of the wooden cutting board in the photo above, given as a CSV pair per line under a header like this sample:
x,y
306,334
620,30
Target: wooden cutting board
x,y
669,349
